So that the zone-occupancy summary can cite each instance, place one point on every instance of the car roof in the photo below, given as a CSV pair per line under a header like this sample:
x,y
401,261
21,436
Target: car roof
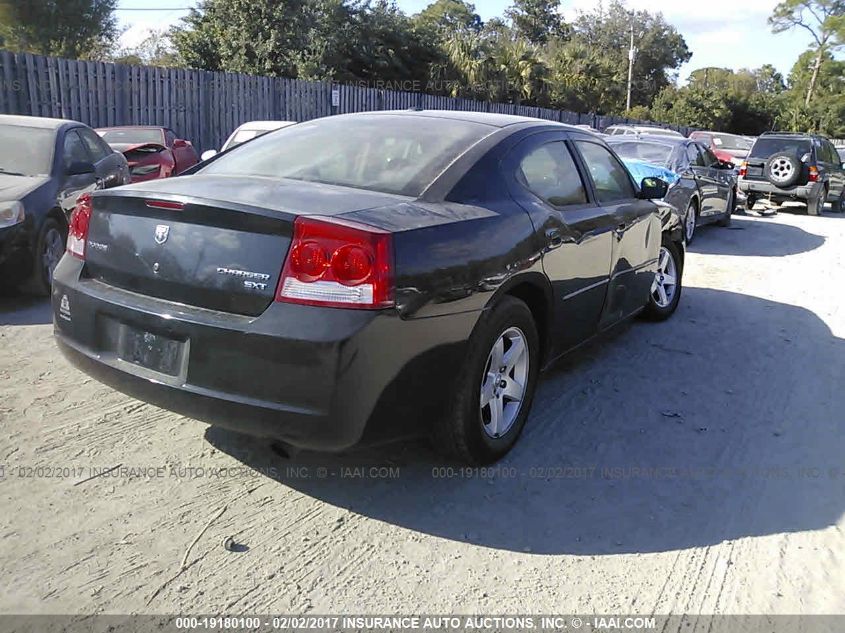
x,y
43,123
134,127
493,119
649,138
265,125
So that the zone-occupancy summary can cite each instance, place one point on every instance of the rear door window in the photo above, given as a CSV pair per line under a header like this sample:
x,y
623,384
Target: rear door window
x,y
97,148
549,172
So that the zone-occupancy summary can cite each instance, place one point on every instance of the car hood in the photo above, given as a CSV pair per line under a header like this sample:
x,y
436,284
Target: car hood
x,y
641,169
16,187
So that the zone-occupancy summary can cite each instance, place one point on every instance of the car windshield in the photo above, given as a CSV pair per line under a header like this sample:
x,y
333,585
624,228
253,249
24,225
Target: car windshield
x,y
244,135
769,146
30,150
658,153
131,136
388,153
729,141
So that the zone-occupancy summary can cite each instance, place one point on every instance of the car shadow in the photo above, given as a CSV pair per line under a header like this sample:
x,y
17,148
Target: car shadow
x,y
657,437
771,239
23,309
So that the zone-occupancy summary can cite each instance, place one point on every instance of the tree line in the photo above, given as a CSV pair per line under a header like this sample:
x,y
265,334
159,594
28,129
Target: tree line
x,y
530,55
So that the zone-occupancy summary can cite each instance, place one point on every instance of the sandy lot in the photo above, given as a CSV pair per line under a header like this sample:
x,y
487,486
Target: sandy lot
x,y
694,466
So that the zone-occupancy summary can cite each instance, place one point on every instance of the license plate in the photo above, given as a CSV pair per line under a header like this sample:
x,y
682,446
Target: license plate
x,y
755,171
151,351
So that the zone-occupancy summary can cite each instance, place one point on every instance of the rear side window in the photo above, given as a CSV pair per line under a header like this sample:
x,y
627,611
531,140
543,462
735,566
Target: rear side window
x,y
549,172
612,181
769,146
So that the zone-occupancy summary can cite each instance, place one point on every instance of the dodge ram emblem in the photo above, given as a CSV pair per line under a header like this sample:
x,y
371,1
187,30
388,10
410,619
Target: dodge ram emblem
x,y
162,231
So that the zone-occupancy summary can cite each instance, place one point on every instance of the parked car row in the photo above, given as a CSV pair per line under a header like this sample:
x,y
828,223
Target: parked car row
x,y
304,282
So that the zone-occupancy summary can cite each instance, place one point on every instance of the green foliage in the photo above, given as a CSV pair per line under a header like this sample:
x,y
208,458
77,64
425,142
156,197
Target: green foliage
x,y
537,21
66,28
699,107
661,49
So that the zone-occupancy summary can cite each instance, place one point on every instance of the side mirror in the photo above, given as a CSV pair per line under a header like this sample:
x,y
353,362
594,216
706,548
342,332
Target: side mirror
x,y
79,168
180,143
653,189
209,153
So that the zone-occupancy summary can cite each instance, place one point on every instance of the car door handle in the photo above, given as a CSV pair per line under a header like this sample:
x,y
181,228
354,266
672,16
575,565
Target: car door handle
x,y
622,228
554,238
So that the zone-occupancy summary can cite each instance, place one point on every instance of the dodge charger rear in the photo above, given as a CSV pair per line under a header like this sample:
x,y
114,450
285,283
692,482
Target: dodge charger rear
x,y
366,277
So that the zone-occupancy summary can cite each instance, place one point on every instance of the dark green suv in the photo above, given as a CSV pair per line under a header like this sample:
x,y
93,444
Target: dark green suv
x,y
785,166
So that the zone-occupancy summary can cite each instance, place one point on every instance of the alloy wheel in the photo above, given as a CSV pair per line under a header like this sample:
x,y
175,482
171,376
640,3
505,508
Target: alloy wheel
x,y
689,224
665,283
504,382
781,170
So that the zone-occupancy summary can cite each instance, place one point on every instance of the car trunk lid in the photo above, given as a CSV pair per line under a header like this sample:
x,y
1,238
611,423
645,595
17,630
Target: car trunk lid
x,y
222,249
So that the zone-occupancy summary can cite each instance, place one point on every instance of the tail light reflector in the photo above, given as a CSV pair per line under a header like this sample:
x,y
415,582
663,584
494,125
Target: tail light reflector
x,y
78,227
743,168
336,263
814,174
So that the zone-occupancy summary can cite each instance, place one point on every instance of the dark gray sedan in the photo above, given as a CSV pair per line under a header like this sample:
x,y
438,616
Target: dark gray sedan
x,y
703,188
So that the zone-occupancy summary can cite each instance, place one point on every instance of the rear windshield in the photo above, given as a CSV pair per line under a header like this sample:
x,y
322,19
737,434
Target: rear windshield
x,y
659,153
131,136
30,153
388,153
765,147
730,141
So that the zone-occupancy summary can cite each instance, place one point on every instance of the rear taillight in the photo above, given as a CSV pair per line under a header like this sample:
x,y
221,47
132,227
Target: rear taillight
x,y
78,227
743,169
337,263
813,174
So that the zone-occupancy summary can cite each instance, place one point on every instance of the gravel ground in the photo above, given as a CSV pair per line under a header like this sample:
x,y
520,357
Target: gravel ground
x,y
693,466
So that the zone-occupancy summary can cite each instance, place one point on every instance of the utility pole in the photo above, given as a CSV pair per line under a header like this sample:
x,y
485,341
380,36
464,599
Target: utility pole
x,y
631,53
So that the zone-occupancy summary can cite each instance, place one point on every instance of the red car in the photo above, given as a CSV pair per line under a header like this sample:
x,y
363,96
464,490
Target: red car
x,y
729,148
152,152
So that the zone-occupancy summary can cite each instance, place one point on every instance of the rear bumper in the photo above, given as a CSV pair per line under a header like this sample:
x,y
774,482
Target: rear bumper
x,y
763,187
316,378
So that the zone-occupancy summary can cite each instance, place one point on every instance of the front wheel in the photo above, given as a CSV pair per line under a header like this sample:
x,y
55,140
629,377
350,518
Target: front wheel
x,y
690,221
49,248
725,220
495,388
666,287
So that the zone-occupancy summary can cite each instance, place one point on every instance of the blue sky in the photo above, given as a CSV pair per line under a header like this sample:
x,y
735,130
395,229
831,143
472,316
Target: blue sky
x,y
725,33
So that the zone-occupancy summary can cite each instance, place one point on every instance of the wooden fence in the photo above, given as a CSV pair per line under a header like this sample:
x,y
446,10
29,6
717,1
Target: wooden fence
x,y
204,107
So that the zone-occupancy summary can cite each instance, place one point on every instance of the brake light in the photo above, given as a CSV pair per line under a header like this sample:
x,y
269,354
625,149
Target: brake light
x,y
814,174
336,263
78,227
743,168
165,204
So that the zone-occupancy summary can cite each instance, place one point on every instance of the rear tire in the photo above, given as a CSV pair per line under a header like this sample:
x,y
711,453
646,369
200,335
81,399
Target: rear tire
x,y
815,206
838,205
750,201
467,431
49,248
662,305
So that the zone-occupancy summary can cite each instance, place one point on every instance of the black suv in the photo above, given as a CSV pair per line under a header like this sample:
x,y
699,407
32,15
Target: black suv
x,y
787,166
